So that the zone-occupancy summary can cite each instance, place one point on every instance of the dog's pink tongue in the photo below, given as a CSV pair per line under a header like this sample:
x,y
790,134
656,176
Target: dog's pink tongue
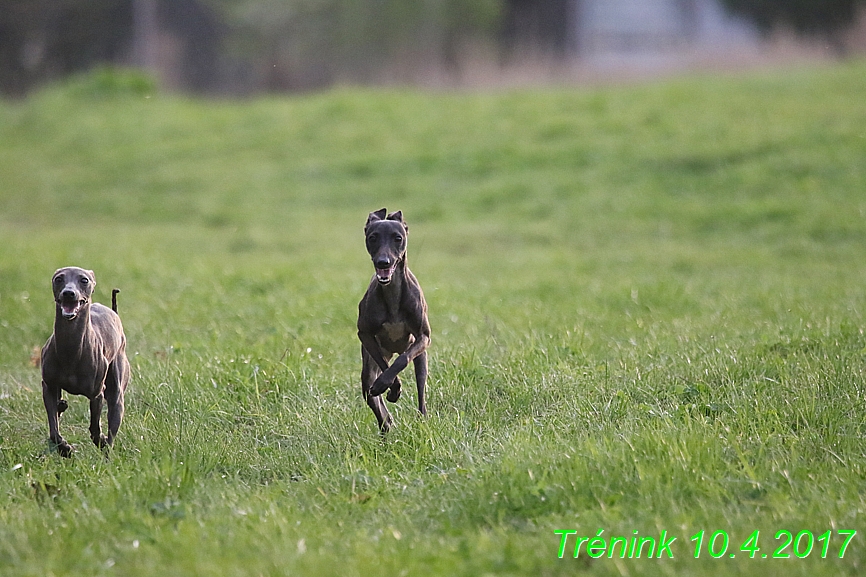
x,y
69,309
384,274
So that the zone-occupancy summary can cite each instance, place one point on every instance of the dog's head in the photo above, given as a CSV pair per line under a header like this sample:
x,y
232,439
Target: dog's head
x,y
386,242
72,288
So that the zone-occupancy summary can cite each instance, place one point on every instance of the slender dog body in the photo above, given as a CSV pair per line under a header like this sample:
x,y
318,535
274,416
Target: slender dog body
x,y
86,355
392,318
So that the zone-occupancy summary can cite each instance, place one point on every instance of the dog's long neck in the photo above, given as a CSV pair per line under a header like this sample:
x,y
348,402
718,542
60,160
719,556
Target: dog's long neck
x,y
73,338
392,293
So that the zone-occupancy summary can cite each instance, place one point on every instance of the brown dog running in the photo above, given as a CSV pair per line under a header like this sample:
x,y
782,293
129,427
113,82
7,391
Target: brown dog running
x,y
86,355
392,318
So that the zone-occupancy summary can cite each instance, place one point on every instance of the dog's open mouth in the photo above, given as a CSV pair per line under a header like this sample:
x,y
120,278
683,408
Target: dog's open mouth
x,y
70,308
384,275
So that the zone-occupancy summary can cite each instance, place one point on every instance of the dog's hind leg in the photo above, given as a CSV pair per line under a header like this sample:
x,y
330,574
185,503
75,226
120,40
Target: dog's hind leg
x,y
420,363
114,390
96,435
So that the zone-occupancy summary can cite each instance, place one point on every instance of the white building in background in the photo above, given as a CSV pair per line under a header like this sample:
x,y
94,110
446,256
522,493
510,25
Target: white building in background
x,y
645,27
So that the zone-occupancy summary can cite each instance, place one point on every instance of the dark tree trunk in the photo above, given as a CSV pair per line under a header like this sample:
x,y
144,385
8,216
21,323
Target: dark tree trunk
x,y
145,33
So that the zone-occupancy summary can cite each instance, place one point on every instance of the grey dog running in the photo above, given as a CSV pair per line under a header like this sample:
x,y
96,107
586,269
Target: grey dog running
x,y
86,355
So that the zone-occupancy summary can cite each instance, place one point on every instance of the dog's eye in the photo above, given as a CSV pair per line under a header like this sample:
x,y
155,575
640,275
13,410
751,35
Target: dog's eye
x,y
85,281
398,238
58,280
373,237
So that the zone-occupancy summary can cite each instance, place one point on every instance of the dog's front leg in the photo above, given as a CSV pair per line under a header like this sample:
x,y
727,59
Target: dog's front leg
x,y
388,378
418,346
51,398
421,380
368,374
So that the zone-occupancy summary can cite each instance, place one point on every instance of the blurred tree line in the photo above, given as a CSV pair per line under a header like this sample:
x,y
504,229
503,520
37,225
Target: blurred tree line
x,y
46,39
252,45
242,45
824,18
305,43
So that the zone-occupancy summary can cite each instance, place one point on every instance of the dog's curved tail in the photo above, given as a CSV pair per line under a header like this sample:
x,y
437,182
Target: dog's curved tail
x,y
114,299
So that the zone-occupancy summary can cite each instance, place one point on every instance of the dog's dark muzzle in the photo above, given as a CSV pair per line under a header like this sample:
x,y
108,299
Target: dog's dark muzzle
x,y
385,269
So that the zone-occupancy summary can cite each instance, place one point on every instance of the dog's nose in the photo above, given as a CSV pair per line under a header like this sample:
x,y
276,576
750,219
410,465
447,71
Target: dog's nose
x,y
67,294
382,262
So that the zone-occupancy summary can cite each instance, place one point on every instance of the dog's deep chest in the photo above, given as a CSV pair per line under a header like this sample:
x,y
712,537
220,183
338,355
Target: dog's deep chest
x,y
79,373
75,380
394,336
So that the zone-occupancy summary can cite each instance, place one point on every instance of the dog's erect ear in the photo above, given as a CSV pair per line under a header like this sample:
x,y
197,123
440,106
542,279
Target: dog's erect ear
x,y
378,215
398,216
374,216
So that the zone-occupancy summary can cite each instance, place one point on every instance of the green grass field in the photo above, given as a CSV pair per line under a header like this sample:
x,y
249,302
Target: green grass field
x,y
647,306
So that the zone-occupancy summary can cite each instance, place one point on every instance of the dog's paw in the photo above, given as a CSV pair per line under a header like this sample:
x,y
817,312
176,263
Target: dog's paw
x,y
387,425
383,383
101,442
394,393
64,449
379,386
62,405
